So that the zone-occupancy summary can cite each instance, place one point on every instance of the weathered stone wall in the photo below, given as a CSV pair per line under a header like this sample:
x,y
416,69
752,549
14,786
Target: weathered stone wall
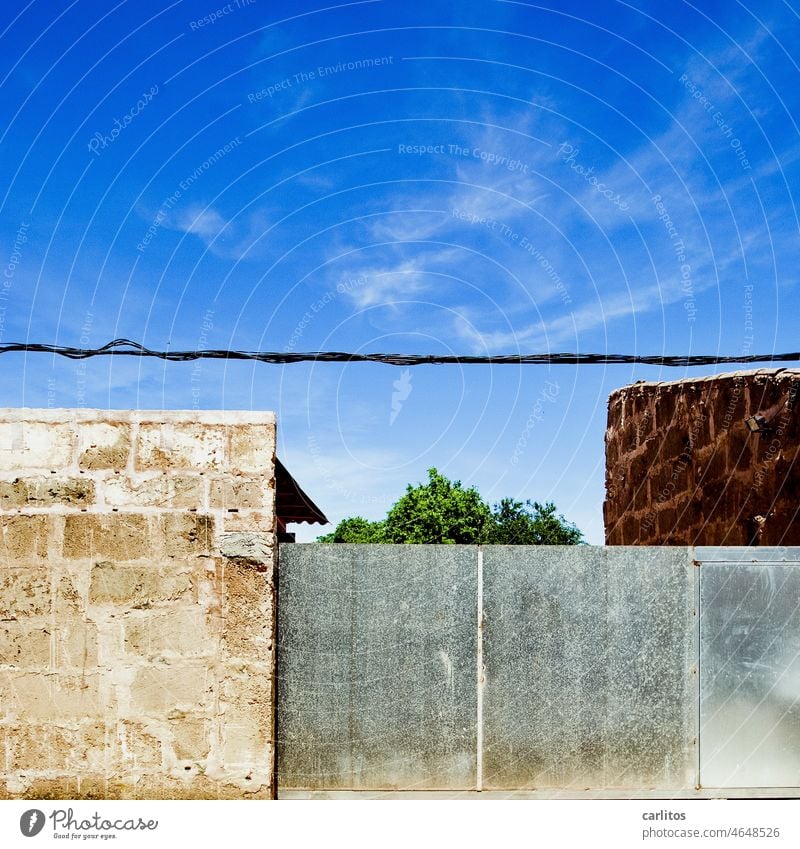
x,y
136,604
683,468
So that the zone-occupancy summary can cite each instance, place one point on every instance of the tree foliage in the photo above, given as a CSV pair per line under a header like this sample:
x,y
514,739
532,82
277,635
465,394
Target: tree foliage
x,y
443,511
531,523
356,530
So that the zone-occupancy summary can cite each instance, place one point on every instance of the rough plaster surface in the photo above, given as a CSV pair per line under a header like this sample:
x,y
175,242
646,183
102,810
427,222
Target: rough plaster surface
x,y
682,467
136,638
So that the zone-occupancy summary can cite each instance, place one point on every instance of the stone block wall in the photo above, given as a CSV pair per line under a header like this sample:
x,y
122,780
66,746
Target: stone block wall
x,y
136,604
683,468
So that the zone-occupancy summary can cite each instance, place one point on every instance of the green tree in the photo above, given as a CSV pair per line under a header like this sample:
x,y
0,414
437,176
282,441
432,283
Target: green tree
x,y
443,511
356,530
440,511
531,523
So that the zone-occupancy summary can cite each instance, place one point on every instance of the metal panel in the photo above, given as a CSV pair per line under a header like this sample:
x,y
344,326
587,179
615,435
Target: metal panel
x,y
590,675
377,676
589,657
748,554
750,674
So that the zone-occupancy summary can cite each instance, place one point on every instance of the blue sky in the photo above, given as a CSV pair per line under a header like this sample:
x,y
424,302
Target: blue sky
x,y
481,177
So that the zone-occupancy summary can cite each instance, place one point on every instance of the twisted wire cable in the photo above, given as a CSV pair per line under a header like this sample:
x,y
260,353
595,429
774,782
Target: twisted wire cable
x,y
128,348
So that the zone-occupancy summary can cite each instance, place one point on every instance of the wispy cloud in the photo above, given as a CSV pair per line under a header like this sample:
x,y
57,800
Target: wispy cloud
x,y
238,238
206,223
545,335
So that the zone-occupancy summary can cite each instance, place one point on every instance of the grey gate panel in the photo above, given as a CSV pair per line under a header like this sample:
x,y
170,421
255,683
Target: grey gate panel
x,y
750,669
376,669
590,670
581,674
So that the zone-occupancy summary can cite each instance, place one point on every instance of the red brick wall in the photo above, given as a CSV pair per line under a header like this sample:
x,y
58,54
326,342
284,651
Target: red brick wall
x,y
682,467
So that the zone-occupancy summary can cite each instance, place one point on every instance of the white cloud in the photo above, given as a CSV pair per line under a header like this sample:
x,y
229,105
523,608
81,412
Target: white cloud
x,y
387,286
546,335
239,238
206,223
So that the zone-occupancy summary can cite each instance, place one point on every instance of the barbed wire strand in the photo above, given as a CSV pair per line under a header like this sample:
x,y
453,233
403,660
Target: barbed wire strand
x,y
127,348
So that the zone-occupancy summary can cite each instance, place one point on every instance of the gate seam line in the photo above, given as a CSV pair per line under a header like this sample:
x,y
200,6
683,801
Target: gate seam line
x,y
698,690
479,700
